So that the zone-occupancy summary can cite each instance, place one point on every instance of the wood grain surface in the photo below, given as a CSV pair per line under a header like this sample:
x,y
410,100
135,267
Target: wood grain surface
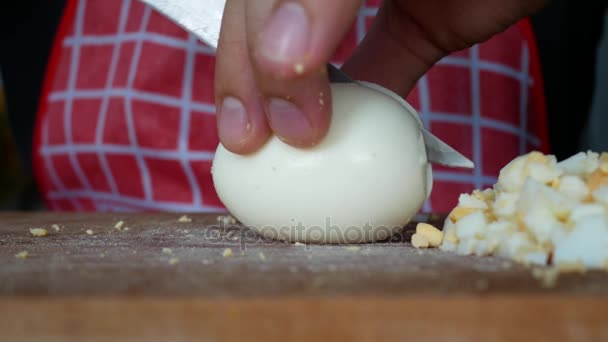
x,y
121,285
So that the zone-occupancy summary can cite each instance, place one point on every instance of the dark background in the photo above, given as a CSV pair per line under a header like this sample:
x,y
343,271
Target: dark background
x,y
568,33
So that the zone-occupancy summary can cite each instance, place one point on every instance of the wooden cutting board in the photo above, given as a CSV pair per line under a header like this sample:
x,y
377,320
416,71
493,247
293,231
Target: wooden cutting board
x,y
122,285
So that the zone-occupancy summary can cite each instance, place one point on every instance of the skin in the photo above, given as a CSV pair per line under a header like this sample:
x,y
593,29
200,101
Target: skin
x,y
270,72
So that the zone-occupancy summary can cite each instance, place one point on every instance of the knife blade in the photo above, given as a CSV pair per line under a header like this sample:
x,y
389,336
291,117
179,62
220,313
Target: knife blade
x,y
204,20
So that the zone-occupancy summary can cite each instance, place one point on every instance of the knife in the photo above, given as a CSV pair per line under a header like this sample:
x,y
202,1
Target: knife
x,y
204,20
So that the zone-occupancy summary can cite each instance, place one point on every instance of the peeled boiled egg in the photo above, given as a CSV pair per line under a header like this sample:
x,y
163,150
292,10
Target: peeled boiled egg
x,y
365,180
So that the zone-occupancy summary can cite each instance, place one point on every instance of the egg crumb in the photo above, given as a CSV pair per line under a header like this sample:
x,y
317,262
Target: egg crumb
x,y
540,213
56,227
38,232
227,253
262,256
119,225
89,232
173,261
167,250
184,219
227,219
22,255
431,233
420,241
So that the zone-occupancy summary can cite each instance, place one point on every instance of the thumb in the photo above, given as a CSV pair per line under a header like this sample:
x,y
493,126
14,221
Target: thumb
x,y
298,38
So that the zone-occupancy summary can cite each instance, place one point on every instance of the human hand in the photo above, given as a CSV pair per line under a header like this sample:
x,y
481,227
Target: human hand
x,y
270,73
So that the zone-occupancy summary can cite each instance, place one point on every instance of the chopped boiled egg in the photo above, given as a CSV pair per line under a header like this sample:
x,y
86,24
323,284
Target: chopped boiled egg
x,y
472,225
587,244
601,195
584,211
505,204
472,201
580,164
540,212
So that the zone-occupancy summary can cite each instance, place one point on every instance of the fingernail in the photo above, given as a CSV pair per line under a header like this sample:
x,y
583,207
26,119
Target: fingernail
x,y
233,123
288,121
287,34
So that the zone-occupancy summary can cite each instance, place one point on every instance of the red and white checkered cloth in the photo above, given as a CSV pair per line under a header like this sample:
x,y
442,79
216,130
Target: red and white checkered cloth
x,y
127,119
